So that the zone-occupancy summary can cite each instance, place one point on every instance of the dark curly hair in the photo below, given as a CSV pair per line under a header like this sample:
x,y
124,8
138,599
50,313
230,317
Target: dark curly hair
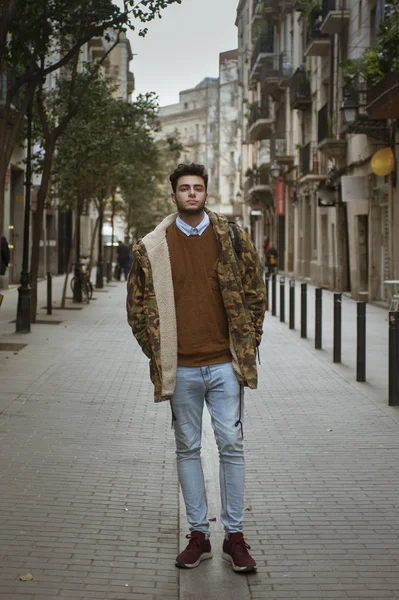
x,y
185,169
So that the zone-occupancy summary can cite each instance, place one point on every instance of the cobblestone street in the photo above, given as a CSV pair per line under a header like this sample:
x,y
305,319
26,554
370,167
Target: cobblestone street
x,y
90,504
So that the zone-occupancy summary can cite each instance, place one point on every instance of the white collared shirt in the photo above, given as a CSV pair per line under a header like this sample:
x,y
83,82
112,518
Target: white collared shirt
x,y
188,230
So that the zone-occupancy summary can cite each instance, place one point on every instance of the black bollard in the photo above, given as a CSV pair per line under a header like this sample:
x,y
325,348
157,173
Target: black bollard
x,y
274,294
393,358
337,327
49,294
282,299
361,342
267,286
292,304
318,318
304,310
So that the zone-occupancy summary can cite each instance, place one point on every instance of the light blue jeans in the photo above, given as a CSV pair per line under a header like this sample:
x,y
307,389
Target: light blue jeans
x,y
217,385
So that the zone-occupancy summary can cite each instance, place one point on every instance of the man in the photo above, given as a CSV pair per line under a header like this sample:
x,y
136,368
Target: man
x,y
271,257
196,307
4,255
124,259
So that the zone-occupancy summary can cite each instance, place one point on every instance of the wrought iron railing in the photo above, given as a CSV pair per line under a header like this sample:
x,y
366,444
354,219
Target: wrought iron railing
x,y
299,88
279,145
313,32
257,112
327,6
277,65
263,45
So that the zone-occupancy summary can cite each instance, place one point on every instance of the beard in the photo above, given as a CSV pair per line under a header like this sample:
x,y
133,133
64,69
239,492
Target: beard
x,y
190,210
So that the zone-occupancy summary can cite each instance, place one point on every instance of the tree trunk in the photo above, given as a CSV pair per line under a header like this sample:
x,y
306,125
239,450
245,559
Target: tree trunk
x,y
93,241
38,221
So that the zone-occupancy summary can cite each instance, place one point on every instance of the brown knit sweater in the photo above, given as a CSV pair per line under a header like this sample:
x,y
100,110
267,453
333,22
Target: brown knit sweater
x,y
202,327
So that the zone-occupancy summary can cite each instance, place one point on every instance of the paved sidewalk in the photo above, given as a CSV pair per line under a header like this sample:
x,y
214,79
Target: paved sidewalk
x,y
89,497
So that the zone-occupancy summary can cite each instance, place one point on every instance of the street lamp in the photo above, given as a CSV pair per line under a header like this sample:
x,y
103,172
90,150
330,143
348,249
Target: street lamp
x,y
275,169
350,109
24,291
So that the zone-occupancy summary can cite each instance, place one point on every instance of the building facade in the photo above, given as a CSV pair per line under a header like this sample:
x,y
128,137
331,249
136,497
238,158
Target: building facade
x,y
307,171
205,120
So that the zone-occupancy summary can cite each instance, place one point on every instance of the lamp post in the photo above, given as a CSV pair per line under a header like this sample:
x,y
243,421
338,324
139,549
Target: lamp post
x,y
77,288
24,291
99,275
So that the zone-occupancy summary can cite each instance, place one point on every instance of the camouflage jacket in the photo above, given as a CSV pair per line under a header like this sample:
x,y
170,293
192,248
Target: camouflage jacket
x,y
151,309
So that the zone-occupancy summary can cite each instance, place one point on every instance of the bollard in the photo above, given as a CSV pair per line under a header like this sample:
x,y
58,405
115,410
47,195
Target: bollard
x,y
267,286
318,318
274,294
393,358
292,304
282,299
304,310
361,342
337,327
49,294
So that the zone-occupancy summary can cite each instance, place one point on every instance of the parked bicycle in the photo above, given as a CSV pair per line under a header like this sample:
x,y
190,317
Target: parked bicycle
x,y
83,282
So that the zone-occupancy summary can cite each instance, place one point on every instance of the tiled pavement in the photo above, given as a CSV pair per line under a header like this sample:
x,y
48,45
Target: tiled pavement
x,y
89,502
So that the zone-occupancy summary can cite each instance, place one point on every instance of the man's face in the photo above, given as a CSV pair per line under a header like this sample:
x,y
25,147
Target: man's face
x,y
190,196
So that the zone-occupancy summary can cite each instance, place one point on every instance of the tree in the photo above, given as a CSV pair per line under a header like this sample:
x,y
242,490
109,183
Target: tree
x,y
108,143
39,37
146,193
55,109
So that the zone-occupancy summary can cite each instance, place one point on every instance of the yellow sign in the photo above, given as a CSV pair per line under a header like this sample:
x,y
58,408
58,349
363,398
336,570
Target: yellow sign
x,y
19,199
383,162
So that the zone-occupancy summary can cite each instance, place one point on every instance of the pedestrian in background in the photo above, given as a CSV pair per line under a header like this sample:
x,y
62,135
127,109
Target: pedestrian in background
x,y
196,306
4,255
124,260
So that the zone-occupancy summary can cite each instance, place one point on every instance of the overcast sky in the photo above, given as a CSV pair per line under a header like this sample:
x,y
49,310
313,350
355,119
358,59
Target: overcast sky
x,y
183,47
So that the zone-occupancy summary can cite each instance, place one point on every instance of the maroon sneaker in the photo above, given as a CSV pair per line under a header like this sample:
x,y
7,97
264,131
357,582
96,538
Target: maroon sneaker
x,y
235,550
198,549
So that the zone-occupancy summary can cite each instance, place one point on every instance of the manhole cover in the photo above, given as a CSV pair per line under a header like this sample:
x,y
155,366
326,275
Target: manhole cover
x,y
9,347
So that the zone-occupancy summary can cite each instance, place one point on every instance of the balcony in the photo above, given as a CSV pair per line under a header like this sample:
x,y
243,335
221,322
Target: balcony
x,y
275,73
262,9
383,98
279,150
263,48
257,188
309,163
317,43
260,122
97,48
300,93
334,16
130,82
283,6
329,144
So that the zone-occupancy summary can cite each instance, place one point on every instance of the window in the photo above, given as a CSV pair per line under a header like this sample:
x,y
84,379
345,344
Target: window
x,y
360,14
373,26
